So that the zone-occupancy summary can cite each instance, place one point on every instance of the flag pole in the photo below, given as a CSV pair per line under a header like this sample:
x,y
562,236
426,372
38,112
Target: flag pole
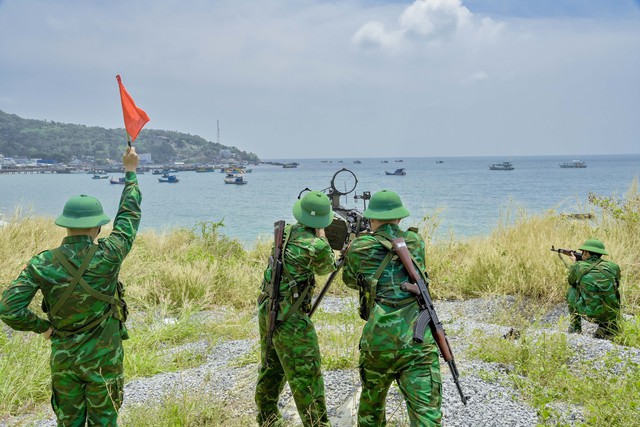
x,y
129,139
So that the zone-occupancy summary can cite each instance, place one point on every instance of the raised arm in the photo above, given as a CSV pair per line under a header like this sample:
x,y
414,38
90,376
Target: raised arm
x,y
127,221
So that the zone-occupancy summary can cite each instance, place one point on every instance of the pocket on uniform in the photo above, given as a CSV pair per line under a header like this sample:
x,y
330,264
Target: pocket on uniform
x,y
115,387
436,386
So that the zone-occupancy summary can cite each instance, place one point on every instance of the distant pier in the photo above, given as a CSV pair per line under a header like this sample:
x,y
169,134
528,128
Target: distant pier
x,y
24,170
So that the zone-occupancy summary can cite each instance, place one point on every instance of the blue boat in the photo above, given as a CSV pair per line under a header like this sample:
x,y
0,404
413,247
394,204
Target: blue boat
x,y
169,178
399,172
504,166
120,180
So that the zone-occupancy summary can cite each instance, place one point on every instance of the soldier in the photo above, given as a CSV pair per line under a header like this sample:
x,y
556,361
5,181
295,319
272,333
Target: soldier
x,y
594,291
387,349
294,356
84,304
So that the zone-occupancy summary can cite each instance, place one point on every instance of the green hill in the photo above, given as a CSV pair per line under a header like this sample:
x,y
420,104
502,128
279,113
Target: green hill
x,y
62,141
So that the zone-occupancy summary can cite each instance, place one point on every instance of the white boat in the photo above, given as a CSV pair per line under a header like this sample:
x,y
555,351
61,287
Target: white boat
x,y
573,164
235,178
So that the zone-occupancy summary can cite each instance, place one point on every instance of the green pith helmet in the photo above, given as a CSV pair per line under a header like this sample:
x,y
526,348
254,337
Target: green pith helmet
x,y
313,210
594,246
82,212
385,205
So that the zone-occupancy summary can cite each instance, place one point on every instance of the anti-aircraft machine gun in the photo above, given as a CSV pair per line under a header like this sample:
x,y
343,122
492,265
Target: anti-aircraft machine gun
x,y
347,224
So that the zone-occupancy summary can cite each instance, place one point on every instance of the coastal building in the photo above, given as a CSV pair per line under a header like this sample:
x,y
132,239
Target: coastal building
x,y
145,158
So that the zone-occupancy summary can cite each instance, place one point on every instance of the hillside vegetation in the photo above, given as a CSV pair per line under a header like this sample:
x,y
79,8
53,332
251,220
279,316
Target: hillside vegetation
x,y
62,141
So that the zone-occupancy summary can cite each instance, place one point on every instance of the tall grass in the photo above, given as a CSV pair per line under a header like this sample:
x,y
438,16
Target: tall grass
x,y
180,273
515,259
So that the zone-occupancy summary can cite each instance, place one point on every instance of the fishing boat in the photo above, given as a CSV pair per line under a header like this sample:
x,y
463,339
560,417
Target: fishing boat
x,y
399,172
169,178
96,176
573,164
235,178
504,166
205,169
120,180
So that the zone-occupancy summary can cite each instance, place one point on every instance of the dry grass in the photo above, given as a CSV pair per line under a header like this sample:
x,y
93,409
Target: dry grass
x,y
187,271
516,259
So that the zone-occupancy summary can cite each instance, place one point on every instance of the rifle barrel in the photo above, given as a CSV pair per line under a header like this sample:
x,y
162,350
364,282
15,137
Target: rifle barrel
x,y
325,288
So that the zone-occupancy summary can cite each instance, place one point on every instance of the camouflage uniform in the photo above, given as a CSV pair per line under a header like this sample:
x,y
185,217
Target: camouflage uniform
x,y
594,294
387,349
295,355
86,366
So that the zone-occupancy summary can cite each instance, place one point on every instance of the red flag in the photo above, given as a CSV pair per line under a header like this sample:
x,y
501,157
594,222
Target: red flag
x,y
134,118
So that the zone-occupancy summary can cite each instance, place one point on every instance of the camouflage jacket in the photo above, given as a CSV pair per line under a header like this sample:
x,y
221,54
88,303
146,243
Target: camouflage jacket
x,y
390,323
597,282
305,255
45,273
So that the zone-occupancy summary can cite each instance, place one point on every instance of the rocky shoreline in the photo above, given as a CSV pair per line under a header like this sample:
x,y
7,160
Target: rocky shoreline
x,y
492,403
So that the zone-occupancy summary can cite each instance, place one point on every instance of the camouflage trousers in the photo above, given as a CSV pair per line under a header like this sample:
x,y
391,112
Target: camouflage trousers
x,y
608,318
89,393
293,358
417,373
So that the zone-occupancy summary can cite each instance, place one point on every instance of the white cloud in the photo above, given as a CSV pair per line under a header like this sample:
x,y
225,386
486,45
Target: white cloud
x,y
374,35
307,78
476,77
429,21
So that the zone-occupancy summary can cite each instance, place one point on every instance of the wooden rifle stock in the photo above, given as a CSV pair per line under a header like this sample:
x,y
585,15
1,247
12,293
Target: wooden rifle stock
x,y
276,274
427,314
568,252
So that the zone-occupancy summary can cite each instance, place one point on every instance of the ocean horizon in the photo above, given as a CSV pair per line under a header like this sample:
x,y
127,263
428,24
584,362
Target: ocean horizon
x,y
467,198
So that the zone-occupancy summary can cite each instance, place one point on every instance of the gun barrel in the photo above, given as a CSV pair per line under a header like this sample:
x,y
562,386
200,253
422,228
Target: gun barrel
x,y
325,288
456,380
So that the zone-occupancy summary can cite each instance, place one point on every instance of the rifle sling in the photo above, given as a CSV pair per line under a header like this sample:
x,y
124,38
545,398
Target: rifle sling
x,y
295,306
385,240
605,273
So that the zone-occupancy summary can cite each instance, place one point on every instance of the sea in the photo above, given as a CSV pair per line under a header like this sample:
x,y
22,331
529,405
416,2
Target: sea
x,y
460,194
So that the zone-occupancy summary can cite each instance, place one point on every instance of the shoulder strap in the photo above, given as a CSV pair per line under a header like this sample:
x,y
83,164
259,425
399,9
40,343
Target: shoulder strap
x,y
385,240
581,273
77,275
288,235
296,305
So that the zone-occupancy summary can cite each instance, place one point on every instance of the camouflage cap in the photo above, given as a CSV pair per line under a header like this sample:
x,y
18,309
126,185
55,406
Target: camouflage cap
x,y
82,212
313,210
594,246
385,205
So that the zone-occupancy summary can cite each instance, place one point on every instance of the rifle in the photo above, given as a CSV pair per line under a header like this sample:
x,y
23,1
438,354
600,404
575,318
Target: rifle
x,y
347,223
275,261
567,252
427,314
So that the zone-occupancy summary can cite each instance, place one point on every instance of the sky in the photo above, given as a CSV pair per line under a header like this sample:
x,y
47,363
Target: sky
x,y
337,78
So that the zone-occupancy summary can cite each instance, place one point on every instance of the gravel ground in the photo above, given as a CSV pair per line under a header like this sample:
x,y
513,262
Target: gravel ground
x,y
491,404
